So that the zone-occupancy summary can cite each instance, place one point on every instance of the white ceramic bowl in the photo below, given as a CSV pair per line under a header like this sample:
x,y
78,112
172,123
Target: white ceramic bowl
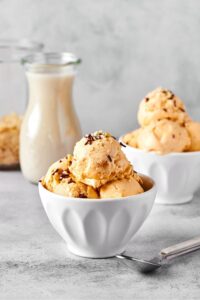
x,y
177,175
98,228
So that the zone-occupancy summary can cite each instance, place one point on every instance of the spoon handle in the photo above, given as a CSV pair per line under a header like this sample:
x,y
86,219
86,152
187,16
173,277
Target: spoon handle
x,y
181,248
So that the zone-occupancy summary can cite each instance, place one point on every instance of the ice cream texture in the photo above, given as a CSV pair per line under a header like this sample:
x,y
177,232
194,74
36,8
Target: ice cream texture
x,y
164,137
98,158
131,138
98,168
59,180
9,139
193,129
165,125
161,104
121,188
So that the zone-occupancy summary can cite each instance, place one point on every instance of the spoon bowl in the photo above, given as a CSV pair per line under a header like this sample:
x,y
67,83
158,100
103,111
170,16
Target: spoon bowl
x,y
142,265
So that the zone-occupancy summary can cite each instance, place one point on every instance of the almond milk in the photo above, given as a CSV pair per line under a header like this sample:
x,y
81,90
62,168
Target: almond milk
x,y
50,127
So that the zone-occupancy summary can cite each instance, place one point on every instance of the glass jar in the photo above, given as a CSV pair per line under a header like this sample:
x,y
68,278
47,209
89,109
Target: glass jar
x,y
12,97
50,127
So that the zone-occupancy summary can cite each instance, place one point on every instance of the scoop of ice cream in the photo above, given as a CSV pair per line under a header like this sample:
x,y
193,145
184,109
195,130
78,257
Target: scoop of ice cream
x,y
163,137
121,188
131,138
59,180
193,129
161,104
98,158
9,139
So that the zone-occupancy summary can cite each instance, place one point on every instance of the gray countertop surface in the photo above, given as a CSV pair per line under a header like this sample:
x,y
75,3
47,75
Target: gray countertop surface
x,y
35,262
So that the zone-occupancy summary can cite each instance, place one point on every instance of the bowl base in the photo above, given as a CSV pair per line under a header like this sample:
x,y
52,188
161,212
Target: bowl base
x,y
91,254
173,201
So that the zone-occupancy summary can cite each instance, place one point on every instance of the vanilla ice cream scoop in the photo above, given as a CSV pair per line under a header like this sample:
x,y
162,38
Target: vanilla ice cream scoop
x,y
164,137
193,129
98,158
10,126
59,180
161,104
121,188
131,138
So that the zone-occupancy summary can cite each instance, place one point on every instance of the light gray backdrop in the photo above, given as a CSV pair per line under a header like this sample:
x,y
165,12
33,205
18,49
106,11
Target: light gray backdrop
x,y
128,48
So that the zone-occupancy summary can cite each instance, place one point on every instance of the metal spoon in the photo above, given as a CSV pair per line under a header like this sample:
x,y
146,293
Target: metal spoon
x,y
146,266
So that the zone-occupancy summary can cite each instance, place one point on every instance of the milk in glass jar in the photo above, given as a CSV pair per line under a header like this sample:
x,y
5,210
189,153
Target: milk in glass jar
x,y
50,126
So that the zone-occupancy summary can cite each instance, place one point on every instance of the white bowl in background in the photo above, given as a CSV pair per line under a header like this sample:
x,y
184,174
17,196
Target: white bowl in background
x,y
98,228
177,175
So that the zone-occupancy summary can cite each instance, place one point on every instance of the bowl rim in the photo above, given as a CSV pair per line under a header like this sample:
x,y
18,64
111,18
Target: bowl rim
x,y
189,153
97,200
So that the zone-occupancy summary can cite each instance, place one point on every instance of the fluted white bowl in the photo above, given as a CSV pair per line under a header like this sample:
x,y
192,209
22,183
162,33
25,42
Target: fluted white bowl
x,y
177,175
98,228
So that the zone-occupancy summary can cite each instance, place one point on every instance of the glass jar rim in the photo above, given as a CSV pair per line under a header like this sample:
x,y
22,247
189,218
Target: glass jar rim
x,y
49,61
22,44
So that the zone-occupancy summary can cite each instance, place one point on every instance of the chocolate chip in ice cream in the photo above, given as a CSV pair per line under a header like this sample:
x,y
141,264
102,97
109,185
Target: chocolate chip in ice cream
x,y
64,174
82,196
54,172
109,158
98,135
71,181
89,139
122,144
